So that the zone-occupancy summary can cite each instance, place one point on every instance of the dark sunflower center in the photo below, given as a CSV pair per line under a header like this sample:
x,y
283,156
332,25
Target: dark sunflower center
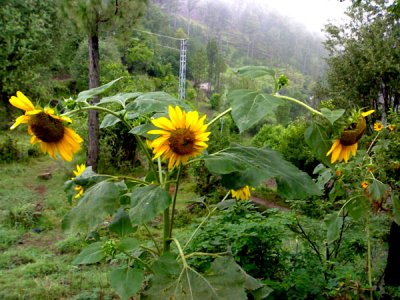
x,y
182,141
354,133
46,128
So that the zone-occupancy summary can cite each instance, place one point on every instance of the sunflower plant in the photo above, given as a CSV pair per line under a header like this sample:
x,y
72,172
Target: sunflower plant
x,y
171,136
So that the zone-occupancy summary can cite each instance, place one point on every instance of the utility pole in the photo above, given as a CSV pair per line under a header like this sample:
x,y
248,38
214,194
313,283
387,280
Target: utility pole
x,y
182,70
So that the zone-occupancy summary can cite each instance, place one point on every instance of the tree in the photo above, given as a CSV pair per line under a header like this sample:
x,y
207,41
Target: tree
x,y
364,53
28,39
92,16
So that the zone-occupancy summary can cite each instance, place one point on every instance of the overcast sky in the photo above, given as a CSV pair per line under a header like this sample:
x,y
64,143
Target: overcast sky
x,y
312,13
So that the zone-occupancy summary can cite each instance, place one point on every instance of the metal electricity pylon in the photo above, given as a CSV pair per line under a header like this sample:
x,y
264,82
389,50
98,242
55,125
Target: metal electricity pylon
x,y
182,70
182,60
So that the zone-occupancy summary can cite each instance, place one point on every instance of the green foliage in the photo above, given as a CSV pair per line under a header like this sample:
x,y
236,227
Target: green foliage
x,y
9,150
215,101
126,281
251,166
289,141
254,239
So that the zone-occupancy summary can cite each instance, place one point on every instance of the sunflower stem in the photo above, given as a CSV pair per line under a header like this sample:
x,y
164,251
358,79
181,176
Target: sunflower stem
x,y
174,200
219,116
314,111
166,240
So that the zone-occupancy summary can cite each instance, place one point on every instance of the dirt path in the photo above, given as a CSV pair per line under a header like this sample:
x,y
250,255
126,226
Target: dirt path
x,y
268,204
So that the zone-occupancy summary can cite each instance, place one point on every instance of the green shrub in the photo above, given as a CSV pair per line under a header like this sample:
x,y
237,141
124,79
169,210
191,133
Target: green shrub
x,y
9,150
289,141
255,242
215,101
24,215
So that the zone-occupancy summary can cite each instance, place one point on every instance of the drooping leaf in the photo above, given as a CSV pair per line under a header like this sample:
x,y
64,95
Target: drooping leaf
x,y
154,102
396,208
332,115
224,280
255,71
333,223
120,98
121,223
166,265
89,177
97,202
90,255
126,281
249,107
358,207
254,165
85,95
143,129
378,189
128,244
109,120
316,137
147,202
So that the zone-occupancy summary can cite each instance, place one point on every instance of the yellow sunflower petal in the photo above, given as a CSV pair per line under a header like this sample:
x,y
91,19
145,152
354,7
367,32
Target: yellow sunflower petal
x,y
20,120
336,152
21,102
367,113
334,145
163,123
33,112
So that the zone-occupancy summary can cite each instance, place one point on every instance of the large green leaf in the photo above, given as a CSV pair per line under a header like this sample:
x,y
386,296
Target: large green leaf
x,y
121,223
249,107
396,208
255,71
126,281
378,189
332,115
98,202
120,98
90,255
223,281
333,223
154,102
85,95
109,120
147,202
251,166
316,137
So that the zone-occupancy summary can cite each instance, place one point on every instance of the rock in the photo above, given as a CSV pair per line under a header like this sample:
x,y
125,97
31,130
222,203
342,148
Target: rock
x,y
45,176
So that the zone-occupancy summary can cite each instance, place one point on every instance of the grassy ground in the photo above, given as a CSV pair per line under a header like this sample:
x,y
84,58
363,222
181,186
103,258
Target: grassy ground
x,y
35,256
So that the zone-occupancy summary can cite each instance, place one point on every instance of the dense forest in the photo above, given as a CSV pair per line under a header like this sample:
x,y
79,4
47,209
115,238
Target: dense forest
x,y
198,149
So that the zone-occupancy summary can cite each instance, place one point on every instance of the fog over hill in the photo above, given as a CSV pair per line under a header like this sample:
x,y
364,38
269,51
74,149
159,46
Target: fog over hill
x,y
251,32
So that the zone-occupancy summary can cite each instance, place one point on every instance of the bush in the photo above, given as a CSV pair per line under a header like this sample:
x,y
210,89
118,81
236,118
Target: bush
x,y
255,242
215,101
289,141
9,150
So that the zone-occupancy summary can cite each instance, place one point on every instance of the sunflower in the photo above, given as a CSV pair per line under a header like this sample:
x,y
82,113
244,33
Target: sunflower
x,y
78,171
348,142
47,129
182,136
378,126
364,184
242,193
392,127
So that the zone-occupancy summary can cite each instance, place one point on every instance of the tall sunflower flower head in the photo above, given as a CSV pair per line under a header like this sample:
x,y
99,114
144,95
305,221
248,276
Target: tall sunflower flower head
x,y
347,144
181,136
47,128
78,171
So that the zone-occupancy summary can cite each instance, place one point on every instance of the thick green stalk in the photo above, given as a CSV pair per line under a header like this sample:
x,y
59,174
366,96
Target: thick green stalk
x,y
219,116
314,111
174,200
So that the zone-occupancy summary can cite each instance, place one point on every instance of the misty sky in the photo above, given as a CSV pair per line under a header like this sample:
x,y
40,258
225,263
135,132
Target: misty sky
x,y
312,13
